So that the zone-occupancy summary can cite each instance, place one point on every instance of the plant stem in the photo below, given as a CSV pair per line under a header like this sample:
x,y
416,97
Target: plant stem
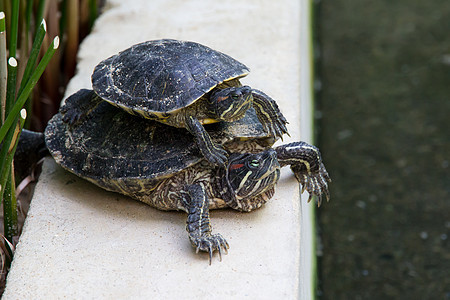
x,y
6,145
63,18
3,68
7,181
14,28
31,63
9,205
71,49
11,84
40,13
23,47
28,15
40,33
12,62
23,96
92,12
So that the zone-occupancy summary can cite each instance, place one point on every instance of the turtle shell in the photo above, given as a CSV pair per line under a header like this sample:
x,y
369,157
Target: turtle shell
x,y
162,76
113,146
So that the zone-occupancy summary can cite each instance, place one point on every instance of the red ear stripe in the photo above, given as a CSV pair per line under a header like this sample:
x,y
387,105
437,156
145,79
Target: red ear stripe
x,y
236,166
219,99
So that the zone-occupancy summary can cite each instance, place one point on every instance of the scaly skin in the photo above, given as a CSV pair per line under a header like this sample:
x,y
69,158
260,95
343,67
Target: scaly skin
x,y
306,163
245,184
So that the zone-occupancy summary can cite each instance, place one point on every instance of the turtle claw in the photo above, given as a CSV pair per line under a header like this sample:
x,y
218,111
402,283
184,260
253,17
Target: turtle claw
x,y
276,126
210,244
270,116
315,183
276,129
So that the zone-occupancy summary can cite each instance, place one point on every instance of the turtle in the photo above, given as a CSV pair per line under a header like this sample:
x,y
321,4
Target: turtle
x,y
182,84
163,166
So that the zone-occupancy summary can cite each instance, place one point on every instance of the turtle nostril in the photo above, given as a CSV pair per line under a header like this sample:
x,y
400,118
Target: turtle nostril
x,y
246,90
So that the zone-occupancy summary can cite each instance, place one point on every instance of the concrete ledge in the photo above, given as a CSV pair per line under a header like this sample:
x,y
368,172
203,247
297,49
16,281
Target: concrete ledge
x,y
81,242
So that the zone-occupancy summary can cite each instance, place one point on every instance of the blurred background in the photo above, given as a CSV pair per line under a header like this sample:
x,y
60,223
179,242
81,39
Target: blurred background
x,y
71,21
383,126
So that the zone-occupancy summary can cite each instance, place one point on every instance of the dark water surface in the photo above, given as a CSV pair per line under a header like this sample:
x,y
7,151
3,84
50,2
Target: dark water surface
x,y
383,121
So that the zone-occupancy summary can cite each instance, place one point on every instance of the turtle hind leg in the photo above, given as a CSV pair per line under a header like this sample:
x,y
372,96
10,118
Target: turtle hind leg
x,y
269,114
78,106
213,152
198,225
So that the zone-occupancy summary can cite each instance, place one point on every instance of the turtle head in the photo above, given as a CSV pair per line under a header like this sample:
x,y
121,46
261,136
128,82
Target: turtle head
x,y
231,103
250,175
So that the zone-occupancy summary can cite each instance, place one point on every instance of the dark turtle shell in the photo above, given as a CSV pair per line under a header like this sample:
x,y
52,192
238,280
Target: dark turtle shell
x,y
163,76
113,146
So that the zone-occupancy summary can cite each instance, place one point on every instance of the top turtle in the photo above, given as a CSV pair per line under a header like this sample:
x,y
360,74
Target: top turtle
x,y
182,84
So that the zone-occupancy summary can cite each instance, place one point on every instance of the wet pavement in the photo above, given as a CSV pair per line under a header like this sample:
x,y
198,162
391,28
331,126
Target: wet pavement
x,y
383,123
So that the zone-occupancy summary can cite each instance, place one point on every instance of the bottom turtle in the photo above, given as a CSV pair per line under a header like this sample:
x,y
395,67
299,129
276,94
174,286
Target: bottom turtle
x,y
163,167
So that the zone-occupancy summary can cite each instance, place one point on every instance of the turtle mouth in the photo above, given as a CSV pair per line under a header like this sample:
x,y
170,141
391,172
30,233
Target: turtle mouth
x,y
270,172
271,180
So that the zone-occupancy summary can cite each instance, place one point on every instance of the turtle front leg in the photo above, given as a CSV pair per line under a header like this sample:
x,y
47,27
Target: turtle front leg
x,y
306,163
79,105
269,114
198,225
214,153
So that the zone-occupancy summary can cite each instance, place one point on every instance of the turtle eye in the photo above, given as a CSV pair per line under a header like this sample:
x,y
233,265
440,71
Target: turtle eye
x,y
234,96
254,163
